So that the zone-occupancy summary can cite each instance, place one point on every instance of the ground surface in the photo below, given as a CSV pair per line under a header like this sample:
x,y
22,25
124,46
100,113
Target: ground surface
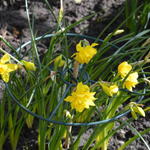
x,y
14,27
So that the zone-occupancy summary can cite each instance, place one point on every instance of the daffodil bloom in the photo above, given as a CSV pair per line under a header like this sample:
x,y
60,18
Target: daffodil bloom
x,y
29,65
108,88
135,108
81,98
131,81
85,53
6,68
58,61
124,68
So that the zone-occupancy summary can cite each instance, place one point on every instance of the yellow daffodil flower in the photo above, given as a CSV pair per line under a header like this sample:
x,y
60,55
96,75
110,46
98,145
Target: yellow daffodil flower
x,y
81,98
135,108
108,88
85,54
29,65
6,68
58,61
124,68
131,81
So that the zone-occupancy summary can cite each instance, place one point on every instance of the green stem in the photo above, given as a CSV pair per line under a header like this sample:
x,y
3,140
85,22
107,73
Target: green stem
x,y
104,145
32,35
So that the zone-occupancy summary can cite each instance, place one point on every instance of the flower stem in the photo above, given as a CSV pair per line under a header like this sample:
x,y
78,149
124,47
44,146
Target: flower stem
x,y
75,69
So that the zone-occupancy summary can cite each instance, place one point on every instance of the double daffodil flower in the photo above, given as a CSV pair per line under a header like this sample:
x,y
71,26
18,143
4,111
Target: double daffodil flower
x,y
85,53
81,98
6,67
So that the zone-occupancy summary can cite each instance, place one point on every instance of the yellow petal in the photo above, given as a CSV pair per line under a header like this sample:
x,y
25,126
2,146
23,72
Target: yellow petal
x,y
68,99
94,44
85,54
29,65
78,46
109,89
58,61
131,81
5,76
11,67
114,88
124,68
82,88
3,68
5,58
133,77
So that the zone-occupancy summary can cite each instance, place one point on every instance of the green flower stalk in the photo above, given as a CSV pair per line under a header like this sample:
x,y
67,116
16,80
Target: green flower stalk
x,y
61,12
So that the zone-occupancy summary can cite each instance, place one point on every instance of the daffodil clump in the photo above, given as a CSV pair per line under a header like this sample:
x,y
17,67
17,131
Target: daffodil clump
x,y
71,91
55,90
81,98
